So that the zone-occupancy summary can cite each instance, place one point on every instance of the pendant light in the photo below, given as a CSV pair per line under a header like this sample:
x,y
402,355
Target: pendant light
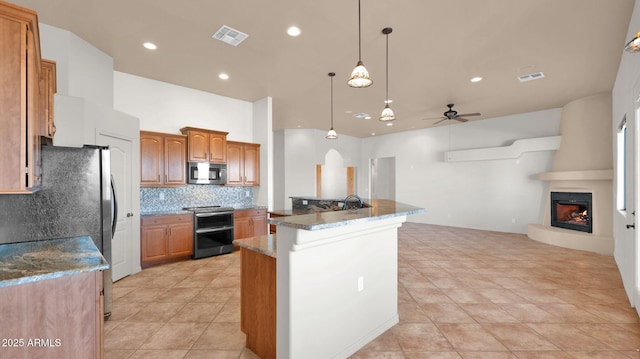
x,y
360,76
387,113
332,135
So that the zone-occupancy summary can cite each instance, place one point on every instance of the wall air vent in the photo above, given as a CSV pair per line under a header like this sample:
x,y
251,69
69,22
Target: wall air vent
x,y
529,77
229,35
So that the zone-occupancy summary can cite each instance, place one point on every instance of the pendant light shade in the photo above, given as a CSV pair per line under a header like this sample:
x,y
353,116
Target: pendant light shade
x,y
359,76
332,135
387,112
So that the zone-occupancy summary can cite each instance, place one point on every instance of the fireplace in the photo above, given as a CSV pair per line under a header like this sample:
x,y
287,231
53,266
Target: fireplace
x,y
571,210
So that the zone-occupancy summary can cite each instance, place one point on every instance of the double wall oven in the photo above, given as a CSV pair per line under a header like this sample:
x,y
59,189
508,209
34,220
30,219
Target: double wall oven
x,y
212,230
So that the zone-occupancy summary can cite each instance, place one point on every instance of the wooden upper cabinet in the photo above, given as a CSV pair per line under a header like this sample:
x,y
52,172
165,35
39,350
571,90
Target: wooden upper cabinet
x,y
163,159
21,100
243,164
50,88
206,145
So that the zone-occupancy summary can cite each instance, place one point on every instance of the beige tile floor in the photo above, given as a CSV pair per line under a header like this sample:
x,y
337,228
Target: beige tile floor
x,y
462,294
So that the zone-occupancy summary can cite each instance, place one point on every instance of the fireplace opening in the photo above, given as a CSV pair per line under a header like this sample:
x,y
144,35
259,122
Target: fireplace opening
x,y
571,210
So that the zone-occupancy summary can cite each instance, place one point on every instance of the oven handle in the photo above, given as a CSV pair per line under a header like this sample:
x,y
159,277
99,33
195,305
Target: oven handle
x,y
212,214
217,229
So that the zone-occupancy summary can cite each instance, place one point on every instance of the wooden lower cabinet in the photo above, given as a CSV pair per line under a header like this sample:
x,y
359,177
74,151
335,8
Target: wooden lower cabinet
x,y
165,238
249,223
258,302
53,318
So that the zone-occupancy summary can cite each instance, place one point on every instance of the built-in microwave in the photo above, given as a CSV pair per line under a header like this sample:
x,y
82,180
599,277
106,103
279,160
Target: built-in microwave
x,y
207,173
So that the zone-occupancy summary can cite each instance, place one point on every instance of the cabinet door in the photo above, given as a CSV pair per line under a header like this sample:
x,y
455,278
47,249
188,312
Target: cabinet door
x,y
12,145
50,88
242,228
154,243
151,159
218,148
198,146
251,165
235,170
181,239
259,225
175,160
21,104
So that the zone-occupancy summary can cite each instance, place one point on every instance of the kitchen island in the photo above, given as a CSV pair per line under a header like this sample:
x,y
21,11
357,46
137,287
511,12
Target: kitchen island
x,y
336,279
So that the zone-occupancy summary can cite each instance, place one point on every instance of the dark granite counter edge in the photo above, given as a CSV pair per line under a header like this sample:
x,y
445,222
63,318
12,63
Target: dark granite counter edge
x,y
85,257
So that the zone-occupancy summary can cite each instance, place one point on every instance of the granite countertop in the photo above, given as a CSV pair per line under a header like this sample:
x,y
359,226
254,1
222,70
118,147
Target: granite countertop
x,y
40,260
380,209
170,212
262,244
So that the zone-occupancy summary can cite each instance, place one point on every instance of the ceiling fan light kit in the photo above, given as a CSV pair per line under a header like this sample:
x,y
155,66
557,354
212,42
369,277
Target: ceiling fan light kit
x,y
359,76
633,45
332,135
387,113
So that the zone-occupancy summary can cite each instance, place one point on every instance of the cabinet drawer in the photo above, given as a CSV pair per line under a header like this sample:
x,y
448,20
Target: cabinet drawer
x,y
250,213
168,219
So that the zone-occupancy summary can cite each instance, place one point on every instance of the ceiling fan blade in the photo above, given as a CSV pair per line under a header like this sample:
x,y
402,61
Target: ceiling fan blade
x,y
435,118
444,119
460,119
469,114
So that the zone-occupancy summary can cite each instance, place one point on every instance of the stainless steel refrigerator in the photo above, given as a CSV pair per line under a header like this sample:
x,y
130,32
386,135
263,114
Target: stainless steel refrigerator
x,y
77,198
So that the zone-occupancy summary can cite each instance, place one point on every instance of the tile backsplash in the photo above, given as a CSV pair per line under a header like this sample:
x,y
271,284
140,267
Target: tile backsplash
x,y
169,199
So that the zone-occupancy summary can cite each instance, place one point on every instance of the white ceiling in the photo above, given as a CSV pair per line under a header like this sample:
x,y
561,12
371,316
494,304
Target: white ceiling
x,y
435,48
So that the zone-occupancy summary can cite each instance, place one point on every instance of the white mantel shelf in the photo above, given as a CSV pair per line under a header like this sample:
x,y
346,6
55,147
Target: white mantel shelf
x,y
592,175
514,150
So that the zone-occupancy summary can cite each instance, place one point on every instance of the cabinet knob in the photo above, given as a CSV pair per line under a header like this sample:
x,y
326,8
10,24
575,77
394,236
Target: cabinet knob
x,y
129,214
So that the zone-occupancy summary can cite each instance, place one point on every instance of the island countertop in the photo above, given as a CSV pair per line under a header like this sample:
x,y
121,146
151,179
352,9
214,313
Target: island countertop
x,y
40,260
379,209
265,244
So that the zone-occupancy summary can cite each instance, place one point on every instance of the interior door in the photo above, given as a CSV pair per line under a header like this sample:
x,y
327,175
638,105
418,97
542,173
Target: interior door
x,y
383,178
634,170
121,167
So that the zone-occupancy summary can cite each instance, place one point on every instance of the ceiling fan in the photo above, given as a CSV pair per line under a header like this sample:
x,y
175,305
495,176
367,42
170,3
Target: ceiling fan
x,y
452,114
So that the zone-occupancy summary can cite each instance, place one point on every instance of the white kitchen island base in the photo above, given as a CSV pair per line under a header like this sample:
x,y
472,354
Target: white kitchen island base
x,y
337,287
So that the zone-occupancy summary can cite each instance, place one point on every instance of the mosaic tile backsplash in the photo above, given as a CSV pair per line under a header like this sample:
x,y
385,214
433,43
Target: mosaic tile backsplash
x,y
170,199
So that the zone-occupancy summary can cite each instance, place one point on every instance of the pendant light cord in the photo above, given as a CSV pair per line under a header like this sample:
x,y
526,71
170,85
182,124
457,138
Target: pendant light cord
x,y
387,69
331,101
359,35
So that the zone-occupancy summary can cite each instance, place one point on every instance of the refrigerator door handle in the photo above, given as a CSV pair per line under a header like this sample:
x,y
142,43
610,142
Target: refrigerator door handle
x,y
114,216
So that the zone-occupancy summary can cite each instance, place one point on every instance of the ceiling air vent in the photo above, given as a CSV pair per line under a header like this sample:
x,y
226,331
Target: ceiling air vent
x,y
229,35
529,77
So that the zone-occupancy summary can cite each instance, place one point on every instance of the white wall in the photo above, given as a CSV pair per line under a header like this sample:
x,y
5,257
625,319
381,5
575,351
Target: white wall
x,y
500,195
263,134
82,70
165,107
299,151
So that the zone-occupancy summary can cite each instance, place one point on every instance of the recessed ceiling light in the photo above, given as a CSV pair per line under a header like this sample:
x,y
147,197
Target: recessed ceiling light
x,y
223,76
373,133
476,79
293,31
389,124
150,45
